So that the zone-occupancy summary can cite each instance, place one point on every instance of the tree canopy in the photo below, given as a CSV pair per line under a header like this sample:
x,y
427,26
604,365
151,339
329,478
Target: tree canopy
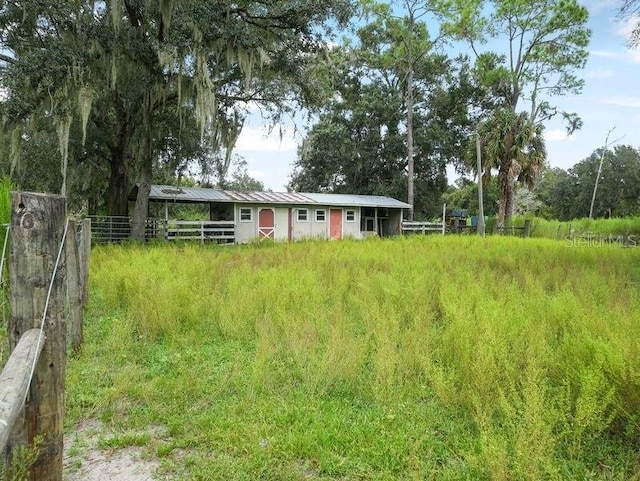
x,y
397,117
543,46
630,10
568,193
127,92
122,66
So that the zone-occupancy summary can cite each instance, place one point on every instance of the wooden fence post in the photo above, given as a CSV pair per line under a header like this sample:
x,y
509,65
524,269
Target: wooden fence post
x,y
37,228
85,253
74,288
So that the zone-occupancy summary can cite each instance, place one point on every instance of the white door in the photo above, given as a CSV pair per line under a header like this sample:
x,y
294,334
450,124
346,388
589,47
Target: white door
x,y
282,224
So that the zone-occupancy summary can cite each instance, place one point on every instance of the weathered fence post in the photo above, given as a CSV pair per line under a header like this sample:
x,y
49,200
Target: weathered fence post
x,y
74,288
37,231
526,231
85,253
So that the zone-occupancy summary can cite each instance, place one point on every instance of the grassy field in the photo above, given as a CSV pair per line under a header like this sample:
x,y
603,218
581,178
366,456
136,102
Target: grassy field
x,y
413,358
554,229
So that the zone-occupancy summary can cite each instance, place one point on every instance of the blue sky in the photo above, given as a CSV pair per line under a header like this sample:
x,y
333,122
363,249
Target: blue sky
x,y
610,98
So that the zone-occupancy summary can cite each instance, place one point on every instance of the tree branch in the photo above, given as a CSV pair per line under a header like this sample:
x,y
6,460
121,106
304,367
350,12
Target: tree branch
x,y
7,59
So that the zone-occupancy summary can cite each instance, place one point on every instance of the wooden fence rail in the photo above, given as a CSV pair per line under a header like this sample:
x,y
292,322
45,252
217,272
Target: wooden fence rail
x,y
15,379
202,230
416,227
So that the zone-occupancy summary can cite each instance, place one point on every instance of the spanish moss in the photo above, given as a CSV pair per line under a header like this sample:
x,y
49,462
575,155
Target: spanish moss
x,y
63,126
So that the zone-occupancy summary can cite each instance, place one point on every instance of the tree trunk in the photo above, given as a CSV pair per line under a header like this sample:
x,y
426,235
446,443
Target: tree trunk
x,y
503,196
511,191
119,181
410,153
512,175
410,162
119,187
511,195
139,222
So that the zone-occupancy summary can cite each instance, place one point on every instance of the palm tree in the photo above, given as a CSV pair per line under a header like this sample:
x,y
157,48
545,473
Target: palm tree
x,y
513,145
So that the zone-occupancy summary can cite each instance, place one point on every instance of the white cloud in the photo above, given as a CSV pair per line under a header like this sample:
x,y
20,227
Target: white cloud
x,y
627,26
634,55
597,6
605,53
256,174
557,135
599,73
630,54
621,101
254,139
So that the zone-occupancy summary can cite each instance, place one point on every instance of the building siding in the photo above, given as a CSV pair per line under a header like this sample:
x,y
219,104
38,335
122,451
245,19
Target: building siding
x,y
246,231
305,229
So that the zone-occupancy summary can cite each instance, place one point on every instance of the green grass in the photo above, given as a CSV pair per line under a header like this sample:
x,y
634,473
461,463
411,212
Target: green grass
x,y
413,358
554,229
5,216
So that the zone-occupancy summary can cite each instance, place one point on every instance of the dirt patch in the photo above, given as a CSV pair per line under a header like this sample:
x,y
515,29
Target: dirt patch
x,y
84,460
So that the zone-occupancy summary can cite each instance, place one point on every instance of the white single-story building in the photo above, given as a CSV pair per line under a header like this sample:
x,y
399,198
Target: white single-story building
x,y
241,217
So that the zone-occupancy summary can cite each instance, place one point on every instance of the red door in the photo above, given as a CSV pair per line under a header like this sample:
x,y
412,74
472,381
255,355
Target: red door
x,y
335,224
266,224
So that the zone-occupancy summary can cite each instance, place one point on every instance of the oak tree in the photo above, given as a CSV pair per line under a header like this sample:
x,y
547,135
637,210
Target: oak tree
x,y
115,65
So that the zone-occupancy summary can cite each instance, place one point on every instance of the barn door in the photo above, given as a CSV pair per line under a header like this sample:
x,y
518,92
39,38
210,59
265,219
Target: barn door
x,y
266,224
282,224
335,224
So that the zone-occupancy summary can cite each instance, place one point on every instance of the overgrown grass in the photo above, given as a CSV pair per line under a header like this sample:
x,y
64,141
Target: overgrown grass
x,y
554,229
5,216
412,358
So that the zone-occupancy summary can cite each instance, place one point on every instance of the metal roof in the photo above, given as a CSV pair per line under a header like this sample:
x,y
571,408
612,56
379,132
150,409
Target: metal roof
x,y
199,194
186,194
268,197
355,200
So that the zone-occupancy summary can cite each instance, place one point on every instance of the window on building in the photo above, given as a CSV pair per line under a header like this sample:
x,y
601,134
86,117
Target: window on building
x,y
246,214
321,215
303,215
351,215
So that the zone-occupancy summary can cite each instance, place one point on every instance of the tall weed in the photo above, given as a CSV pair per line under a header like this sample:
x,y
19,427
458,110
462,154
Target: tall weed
x,y
442,358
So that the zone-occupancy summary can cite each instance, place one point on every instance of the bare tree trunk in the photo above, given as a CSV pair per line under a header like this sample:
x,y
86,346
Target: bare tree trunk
x,y
503,196
512,175
410,150
118,192
510,200
139,221
119,181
